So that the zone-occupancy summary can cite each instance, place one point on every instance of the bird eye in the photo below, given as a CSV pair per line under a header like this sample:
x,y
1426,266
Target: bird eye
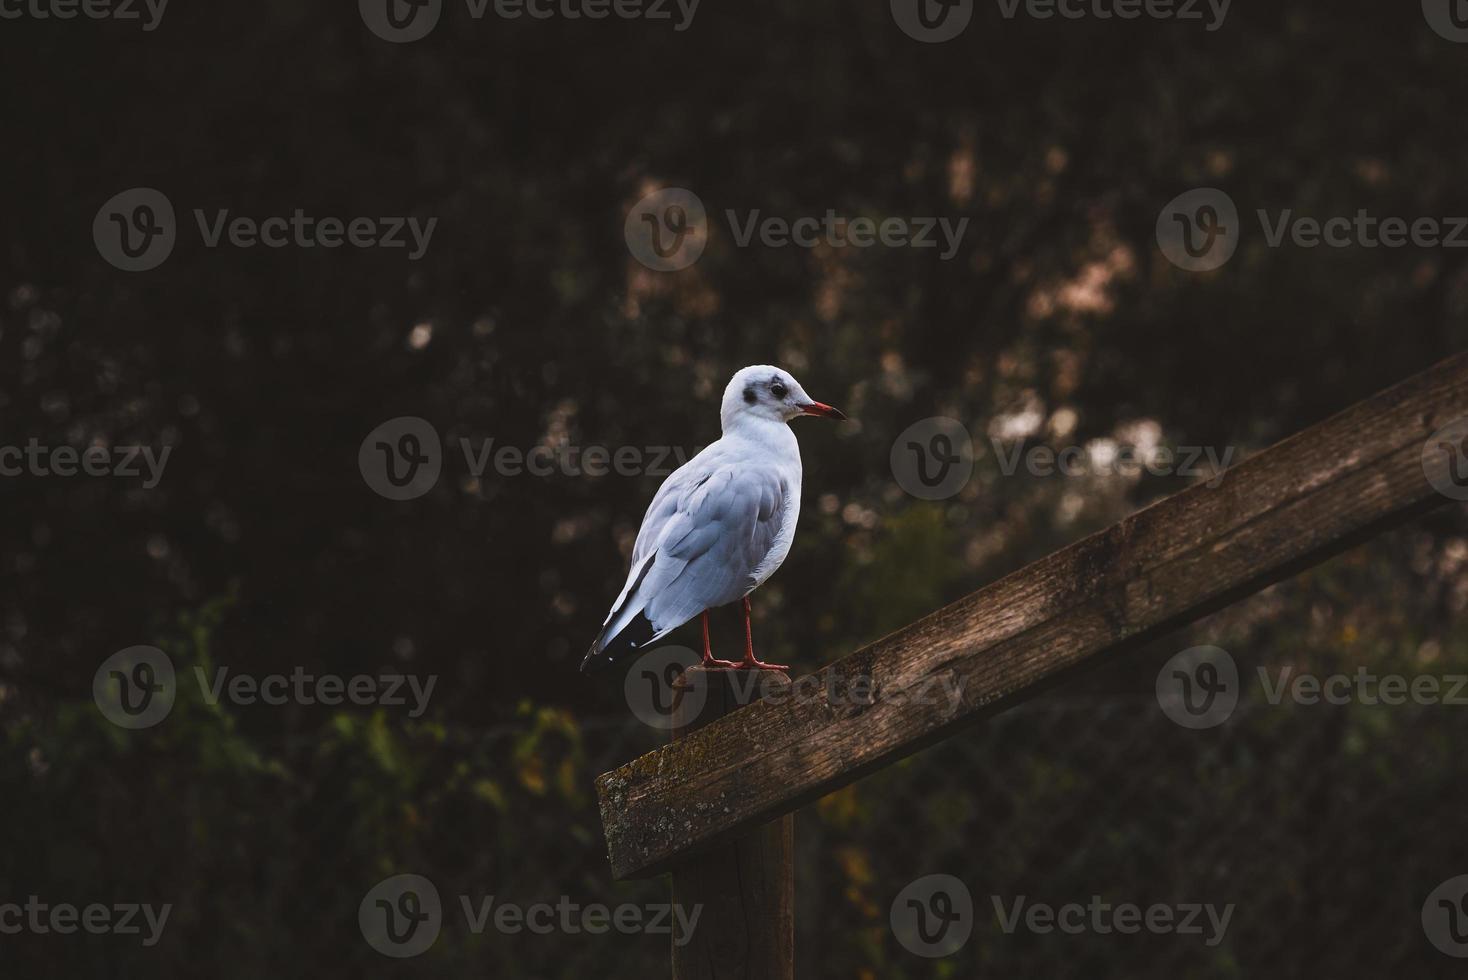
x,y
778,390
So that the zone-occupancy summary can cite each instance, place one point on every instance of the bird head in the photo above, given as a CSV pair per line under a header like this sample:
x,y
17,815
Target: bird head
x,y
769,393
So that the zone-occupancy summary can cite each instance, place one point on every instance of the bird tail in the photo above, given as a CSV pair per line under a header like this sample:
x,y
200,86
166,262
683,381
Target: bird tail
x,y
607,650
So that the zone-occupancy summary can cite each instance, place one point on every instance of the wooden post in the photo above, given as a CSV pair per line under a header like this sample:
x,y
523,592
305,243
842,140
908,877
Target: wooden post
x,y
745,885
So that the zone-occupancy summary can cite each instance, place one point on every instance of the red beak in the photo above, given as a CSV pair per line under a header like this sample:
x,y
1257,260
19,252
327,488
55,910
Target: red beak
x,y
824,411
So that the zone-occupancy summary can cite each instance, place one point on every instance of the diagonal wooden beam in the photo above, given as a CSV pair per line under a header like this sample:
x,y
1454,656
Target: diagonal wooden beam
x,y
1190,554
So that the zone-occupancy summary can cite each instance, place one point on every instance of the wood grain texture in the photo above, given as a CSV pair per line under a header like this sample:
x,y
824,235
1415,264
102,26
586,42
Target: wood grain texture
x,y
1190,554
744,886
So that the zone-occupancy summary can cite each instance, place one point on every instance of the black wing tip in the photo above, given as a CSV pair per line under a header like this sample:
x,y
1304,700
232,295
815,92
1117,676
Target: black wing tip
x,y
606,651
595,661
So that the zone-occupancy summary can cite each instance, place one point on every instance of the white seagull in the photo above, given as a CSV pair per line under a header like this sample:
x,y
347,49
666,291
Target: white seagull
x,y
720,524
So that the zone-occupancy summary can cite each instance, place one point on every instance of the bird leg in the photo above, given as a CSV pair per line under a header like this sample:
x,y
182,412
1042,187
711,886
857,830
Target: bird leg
x,y
708,654
750,663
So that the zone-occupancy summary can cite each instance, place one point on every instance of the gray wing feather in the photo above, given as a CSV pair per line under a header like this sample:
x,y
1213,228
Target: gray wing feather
x,y
704,535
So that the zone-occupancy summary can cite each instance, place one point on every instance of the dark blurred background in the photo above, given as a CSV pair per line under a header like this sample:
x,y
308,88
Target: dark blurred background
x,y
1058,322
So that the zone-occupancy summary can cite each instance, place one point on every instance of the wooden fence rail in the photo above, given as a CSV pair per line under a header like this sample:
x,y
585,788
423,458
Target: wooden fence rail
x,y
1280,511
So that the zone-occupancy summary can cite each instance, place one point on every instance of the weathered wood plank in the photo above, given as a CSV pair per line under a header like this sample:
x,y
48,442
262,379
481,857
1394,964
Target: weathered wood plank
x,y
1284,509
